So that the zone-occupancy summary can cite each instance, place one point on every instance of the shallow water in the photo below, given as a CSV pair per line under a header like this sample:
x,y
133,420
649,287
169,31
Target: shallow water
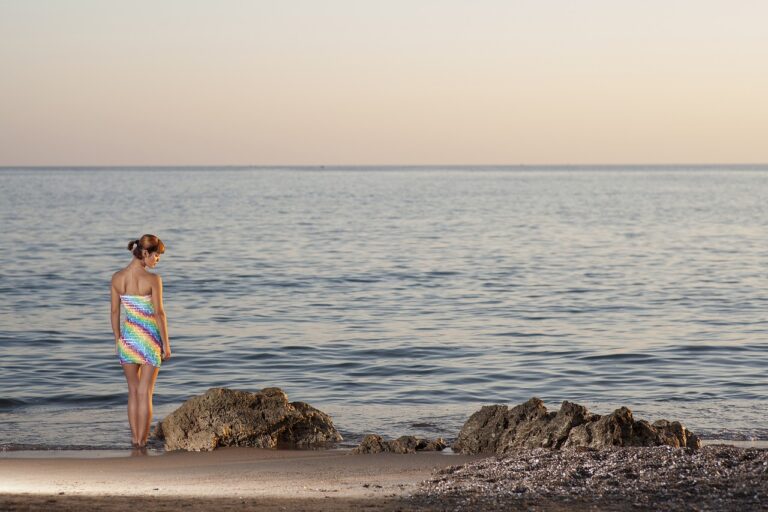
x,y
397,300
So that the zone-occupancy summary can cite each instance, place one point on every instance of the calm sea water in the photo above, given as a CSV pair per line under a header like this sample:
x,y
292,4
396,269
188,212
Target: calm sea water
x,y
398,300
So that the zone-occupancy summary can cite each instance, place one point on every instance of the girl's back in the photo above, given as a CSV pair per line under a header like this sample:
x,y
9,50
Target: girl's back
x,y
133,282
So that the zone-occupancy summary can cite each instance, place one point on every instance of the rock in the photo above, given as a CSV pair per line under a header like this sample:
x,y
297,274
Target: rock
x,y
226,417
374,443
434,445
497,429
481,432
675,434
620,429
616,429
534,427
371,443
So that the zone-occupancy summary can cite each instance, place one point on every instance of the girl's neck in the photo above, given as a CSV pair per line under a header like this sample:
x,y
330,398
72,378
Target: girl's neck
x,y
136,264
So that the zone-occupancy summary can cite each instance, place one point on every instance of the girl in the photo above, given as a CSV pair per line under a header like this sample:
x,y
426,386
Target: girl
x,y
141,341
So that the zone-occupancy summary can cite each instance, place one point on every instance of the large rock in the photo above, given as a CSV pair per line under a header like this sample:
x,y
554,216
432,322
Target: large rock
x,y
620,429
374,443
226,417
497,429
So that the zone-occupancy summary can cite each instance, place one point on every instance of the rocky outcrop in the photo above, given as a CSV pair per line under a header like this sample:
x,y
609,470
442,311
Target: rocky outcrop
x,y
498,429
374,443
620,429
226,417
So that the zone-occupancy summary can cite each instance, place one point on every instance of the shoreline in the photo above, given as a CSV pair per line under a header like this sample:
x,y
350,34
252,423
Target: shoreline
x,y
101,453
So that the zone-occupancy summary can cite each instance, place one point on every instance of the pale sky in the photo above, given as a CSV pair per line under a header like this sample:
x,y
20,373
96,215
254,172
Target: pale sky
x,y
345,82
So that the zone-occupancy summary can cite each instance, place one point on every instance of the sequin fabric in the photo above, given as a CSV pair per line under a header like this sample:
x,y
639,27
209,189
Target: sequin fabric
x,y
139,341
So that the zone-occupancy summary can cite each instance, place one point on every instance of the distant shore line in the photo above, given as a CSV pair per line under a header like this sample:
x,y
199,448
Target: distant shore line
x,y
649,166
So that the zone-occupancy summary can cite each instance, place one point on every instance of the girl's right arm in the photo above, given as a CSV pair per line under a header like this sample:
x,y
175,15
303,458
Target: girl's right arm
x,y
162,322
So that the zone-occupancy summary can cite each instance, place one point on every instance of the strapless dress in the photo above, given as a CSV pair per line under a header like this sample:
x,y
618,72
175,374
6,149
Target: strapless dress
x,y
139,341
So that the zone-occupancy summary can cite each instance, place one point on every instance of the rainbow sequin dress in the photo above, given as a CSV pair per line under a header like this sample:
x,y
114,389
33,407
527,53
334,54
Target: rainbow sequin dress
x,y
139,341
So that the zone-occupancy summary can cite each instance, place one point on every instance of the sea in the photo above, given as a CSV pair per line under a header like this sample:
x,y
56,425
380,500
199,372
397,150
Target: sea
x,y
399,300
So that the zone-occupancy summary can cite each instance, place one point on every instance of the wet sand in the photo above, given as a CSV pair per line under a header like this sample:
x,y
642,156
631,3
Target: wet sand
x,y
226,479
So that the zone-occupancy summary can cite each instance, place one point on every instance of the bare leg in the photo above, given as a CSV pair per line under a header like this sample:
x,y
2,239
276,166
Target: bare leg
x,y
147,379
132,376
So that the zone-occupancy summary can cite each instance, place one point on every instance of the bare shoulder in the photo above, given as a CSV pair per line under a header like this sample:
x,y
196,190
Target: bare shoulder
x,y
156,282
116,276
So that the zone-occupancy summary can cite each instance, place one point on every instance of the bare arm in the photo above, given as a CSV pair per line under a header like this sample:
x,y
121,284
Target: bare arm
x,y
162,322
115,313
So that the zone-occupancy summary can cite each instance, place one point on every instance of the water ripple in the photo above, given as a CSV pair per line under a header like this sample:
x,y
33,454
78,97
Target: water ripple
x,y
399,301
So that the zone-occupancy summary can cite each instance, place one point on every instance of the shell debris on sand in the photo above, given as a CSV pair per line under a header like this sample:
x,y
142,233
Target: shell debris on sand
x,y
716,477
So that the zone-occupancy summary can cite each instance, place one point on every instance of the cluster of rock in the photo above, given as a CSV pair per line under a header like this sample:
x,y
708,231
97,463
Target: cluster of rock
x,y
266,419
226,417
374,443
500,430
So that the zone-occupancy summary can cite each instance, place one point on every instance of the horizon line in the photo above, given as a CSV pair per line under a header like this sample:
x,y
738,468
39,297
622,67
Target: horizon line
x,y
337,166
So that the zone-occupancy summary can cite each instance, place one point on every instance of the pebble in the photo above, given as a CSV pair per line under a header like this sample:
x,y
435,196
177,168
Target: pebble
x,y
715,477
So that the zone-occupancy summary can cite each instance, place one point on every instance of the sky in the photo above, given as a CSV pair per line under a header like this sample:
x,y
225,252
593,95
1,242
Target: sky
x,y
395,82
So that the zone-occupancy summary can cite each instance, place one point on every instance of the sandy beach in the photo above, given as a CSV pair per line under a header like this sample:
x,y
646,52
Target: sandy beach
x,y
337,480
228,478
